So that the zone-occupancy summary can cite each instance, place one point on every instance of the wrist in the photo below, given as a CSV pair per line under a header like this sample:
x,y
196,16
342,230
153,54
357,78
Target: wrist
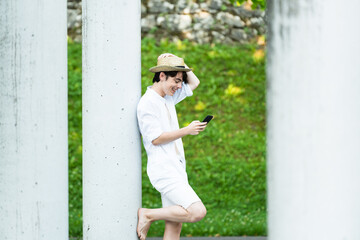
x,y
185,130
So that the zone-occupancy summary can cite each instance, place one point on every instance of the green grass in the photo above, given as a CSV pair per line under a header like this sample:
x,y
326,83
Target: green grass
x,y
226,163
75,139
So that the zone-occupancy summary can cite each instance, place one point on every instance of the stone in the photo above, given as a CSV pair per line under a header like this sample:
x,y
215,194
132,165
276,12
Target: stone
x,y
72,18
192,8
181,5
204,19
78,38
221,17
197,26
251,33
229,19
261,30
242,12
78,22
228,41
237,22
177,23
238,34
219,27
217,37
143,10
204,7
188,35
262,14
215,4
160,21
201,37
158,6
212,11
184,22
175,39
71,5
257,13
256,22
148,23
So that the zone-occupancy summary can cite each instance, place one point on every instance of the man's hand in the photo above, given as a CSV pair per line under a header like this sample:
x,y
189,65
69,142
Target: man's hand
x,y
195,127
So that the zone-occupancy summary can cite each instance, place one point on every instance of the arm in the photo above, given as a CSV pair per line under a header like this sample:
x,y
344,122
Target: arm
x,y
194,128
193,81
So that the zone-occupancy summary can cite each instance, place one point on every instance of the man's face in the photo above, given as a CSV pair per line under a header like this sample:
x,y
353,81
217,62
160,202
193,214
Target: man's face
x,y
172,84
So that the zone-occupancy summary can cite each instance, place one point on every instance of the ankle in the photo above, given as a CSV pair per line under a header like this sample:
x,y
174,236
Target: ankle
x,y
147,214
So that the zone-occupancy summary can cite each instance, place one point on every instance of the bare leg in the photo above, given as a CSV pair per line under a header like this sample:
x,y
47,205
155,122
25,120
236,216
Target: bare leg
x,y
177,214
172,230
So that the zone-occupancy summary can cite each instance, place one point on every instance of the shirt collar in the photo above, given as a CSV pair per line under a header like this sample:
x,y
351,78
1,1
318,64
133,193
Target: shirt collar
x,y
154,94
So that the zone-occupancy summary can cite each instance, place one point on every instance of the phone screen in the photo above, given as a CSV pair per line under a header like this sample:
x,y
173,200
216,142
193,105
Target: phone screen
x,y
208,118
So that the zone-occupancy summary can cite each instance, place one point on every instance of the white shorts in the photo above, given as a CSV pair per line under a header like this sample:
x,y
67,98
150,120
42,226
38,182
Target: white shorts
x,y
172,183
182,195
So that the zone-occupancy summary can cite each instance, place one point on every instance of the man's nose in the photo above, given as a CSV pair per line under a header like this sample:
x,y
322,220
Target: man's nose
x,y
179,85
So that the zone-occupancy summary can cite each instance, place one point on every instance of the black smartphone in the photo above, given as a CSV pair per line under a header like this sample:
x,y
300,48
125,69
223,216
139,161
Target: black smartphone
x,y
208,118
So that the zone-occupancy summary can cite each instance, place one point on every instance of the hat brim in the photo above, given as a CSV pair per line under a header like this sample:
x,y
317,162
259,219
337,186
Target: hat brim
x,y
168,69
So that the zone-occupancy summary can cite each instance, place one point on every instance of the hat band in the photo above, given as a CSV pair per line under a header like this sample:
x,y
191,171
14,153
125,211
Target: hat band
x,y
180,66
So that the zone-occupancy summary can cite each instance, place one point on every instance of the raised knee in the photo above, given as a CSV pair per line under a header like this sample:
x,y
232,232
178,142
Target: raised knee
x,y
198,214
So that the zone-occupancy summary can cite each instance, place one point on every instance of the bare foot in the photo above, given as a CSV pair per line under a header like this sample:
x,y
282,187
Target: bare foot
x,y
143,224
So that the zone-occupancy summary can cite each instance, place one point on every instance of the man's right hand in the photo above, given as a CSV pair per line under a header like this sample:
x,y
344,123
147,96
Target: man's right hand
x,y
195,127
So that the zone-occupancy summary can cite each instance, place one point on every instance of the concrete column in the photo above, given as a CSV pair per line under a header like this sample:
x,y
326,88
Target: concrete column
x,y
111,140
33,120
313,135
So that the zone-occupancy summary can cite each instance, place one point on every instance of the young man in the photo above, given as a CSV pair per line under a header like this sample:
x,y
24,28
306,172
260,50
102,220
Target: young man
x,y
158,123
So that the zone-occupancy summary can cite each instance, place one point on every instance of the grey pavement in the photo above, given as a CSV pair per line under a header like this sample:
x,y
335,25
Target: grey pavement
x,y
213,238
203,238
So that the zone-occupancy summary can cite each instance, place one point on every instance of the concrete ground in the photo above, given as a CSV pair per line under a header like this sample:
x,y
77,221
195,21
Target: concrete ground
x,y
213,238
203,238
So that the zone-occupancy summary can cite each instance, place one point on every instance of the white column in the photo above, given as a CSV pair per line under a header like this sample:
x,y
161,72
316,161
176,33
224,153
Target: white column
x,y
33,120
313,104
111,140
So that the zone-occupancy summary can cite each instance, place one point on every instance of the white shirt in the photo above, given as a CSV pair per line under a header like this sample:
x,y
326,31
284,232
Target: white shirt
x,y
153,119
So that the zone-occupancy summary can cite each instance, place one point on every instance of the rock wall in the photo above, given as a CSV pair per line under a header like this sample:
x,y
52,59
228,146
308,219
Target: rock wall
x,y
74,22
201,21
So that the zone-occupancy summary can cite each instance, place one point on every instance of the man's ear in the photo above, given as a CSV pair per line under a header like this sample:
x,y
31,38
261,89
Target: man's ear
x,y
162,76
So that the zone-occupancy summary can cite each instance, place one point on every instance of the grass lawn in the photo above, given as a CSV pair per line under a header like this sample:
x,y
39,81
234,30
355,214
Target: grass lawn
x,y
226,163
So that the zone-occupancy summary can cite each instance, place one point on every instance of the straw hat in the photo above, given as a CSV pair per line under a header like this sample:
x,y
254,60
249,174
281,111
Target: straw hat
x,y
170,63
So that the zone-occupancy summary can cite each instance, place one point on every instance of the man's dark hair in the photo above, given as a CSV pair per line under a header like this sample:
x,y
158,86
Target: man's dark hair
x,y
171,74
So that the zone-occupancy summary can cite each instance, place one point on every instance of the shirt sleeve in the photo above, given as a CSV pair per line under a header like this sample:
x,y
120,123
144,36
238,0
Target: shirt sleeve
x,y
183,92
149,123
